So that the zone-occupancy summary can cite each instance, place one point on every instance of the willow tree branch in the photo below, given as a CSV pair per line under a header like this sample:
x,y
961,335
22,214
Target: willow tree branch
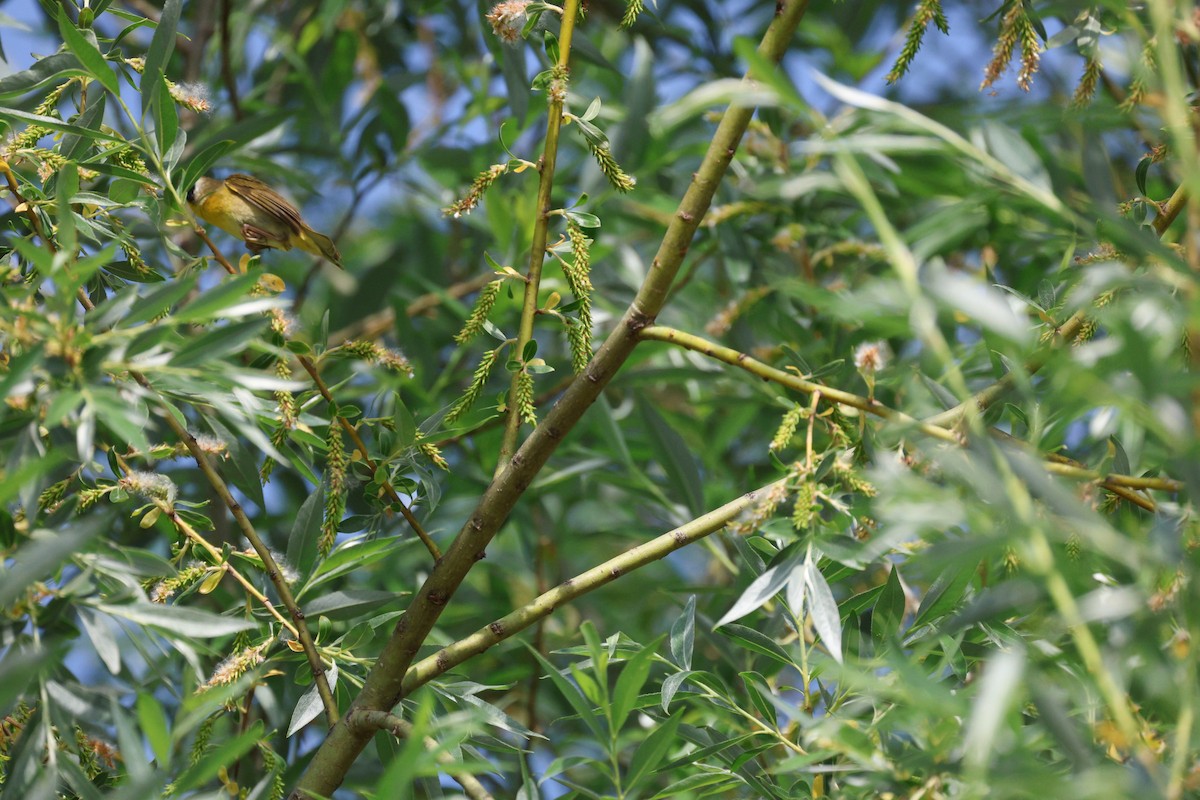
x,y
541,233
274,573
383,687
1059,465
545,604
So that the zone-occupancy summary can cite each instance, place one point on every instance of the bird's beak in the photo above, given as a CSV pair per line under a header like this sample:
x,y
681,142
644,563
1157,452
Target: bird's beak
x,y
191,194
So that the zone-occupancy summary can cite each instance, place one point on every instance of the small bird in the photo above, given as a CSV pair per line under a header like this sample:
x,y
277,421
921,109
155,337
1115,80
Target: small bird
x,y
247,208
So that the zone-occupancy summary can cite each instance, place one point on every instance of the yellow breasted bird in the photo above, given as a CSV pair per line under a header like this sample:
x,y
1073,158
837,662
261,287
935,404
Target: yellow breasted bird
x,y
247,208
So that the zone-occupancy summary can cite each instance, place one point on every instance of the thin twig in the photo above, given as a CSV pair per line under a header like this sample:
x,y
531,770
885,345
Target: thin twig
x,y
381,322
586,582
372,721
541,233
361,447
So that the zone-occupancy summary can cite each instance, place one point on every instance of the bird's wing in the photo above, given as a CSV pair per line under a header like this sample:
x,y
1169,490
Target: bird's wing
x,y
257,193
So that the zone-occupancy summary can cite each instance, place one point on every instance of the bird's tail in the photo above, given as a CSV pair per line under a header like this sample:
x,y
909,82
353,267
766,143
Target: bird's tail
x,y
321,245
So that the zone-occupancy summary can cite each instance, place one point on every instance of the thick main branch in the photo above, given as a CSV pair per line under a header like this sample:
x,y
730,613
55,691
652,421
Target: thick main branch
x,y
384,685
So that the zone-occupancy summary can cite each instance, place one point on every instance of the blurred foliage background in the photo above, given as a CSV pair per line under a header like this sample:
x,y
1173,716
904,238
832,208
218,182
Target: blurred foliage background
x,y
940,321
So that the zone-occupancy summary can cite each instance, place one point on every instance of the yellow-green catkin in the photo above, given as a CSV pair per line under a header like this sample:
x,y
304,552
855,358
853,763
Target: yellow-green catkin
x,y
431,451
278,436
32,134
524,398
479,314
1086,90
720,324
165,588
927,11
578,274
375,353
287,403
335,476
273,765
787,428
475,389
1138,87
235,666
52,497
761,512
633,10
474,195
617,177
805,509
1015,29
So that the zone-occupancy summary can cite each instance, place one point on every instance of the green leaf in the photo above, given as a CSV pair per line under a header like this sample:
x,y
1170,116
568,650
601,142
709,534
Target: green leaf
x,y
681,465
756,642
178,620
204,160
306,530
166,117
571,694
83,45
652,751
226,752
1140,173
683,634
57,125
161,46
943,595
159,300
40,558
825,617
998,690
52,69
349,603
211,303
752,681
20,664
127,419
153,722
716,782
889,610
630,682
219,342
75,147
763,588
310,706
97,629
671,685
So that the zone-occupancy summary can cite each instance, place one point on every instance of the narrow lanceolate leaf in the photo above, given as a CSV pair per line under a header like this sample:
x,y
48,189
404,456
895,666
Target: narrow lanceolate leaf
x,y
762,589
178,620
823,608
683,635
83,45
161,47
652,750
309,706
52,69
572,695
40,558
629,684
